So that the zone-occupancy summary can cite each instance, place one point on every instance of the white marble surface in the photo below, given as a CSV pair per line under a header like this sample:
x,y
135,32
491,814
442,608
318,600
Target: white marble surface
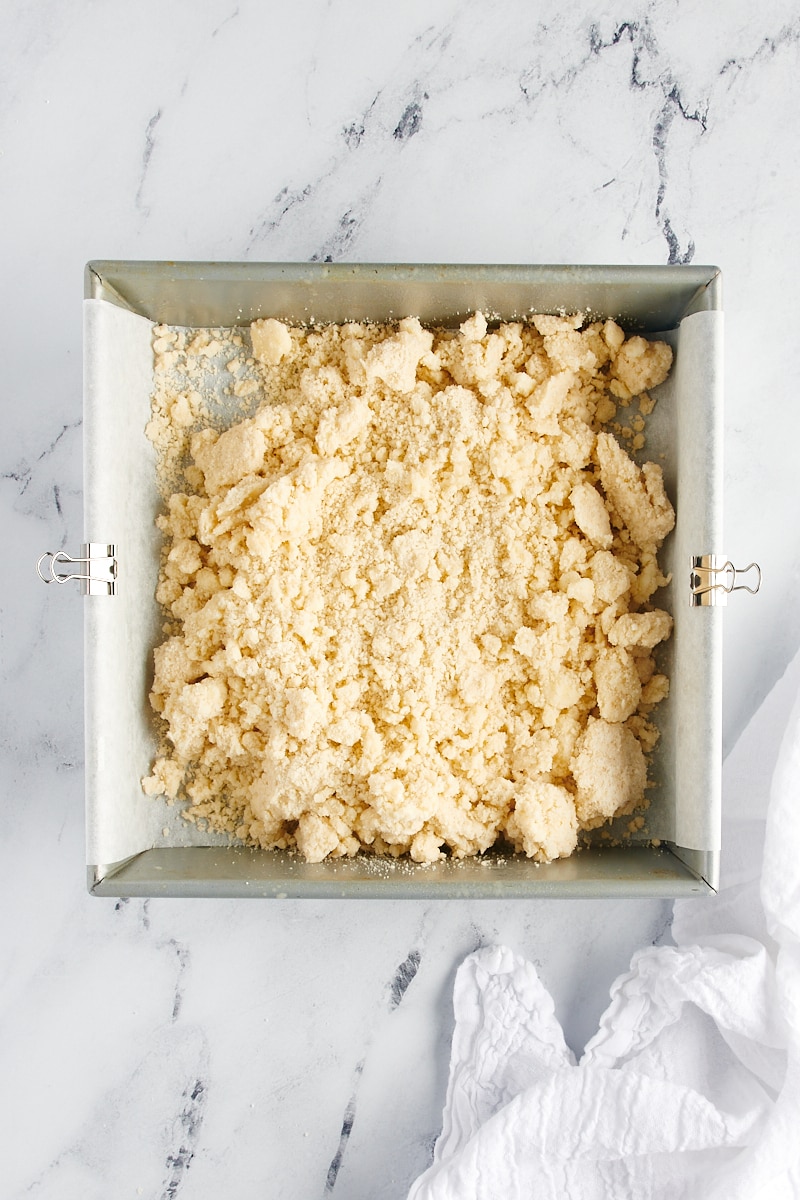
x,y
198,1048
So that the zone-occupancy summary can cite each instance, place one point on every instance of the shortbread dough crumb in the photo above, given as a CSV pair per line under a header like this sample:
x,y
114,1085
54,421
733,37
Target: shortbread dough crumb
x,y
408,595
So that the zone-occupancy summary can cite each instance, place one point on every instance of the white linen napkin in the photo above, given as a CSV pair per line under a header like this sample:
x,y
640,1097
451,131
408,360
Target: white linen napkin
x,y
691,1086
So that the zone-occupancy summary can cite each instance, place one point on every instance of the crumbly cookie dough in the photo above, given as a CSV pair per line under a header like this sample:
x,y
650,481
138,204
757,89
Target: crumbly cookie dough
x,y
408,597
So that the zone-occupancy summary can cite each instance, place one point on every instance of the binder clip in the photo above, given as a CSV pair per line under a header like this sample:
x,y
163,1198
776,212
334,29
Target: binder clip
x,y
714,578
96,568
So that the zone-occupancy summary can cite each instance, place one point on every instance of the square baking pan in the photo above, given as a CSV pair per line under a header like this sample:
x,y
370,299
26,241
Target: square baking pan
x,y
140,846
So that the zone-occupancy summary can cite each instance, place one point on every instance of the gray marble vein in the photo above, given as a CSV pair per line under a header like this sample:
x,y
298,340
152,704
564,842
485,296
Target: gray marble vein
x,y
348,1121
186,1129
403,977
147,154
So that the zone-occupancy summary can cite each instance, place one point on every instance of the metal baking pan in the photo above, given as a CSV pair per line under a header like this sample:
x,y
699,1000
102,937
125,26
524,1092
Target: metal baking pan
x,y
137,846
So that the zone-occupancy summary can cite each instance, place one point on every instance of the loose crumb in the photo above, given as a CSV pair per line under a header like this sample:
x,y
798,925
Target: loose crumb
x,y
407,586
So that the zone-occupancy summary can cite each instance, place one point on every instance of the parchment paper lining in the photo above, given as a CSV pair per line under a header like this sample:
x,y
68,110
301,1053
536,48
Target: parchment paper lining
x,y
122,501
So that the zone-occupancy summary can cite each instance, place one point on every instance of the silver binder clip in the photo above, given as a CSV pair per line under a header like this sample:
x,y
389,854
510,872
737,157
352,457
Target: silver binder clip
x,y
96,568
713,578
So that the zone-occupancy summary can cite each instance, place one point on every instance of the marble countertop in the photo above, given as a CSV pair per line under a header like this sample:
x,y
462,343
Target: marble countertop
x,y
297,1048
